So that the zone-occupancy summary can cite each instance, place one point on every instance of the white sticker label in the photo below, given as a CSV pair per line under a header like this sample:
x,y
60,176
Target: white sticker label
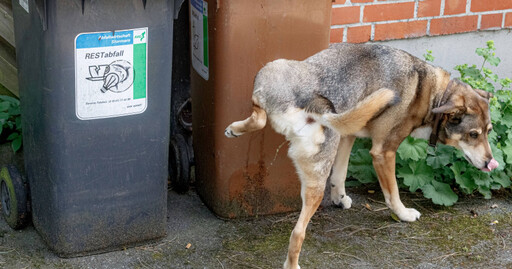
x,y
199,36
110,73
24,5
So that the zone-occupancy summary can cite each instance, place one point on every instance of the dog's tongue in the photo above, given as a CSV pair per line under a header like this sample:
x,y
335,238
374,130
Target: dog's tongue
x,y
491,165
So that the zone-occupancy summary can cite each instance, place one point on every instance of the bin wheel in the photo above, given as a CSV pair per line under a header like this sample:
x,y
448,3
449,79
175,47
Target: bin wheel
x,y
14,197
179,164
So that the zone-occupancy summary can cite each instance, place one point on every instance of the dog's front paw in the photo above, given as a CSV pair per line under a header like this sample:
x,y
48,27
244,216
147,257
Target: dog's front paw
x,y
408,214
342,201
230,133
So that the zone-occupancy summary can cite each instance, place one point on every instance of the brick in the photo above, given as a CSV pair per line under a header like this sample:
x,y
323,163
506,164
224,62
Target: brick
x,y
508,19
400,30
336,35
359,34
386,12
491,21
452,7
443,26
345,15
488,5
429,8
339,2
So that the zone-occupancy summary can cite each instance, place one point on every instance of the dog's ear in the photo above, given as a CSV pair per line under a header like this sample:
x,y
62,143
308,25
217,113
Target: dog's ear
x,y
484,94
449,108
454,105
456,117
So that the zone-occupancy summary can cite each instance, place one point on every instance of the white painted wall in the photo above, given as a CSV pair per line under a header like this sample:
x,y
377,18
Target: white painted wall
x,y
451,50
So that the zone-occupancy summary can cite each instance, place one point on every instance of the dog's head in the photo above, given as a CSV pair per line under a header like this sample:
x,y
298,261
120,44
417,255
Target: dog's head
x,y
466,124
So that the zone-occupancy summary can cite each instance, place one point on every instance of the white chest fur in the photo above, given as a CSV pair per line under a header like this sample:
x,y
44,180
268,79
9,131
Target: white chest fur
x,y
422,132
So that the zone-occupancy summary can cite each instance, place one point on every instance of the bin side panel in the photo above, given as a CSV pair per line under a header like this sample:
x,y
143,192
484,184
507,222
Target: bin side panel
x,y
250,175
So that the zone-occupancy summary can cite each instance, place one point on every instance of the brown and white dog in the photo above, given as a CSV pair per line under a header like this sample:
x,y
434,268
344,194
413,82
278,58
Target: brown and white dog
x,y
323,103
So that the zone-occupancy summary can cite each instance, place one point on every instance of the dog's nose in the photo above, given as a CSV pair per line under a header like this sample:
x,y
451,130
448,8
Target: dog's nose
x,y
492,164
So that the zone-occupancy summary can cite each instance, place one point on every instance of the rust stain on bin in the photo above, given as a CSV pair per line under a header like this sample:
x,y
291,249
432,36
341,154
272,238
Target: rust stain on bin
x,y
239,177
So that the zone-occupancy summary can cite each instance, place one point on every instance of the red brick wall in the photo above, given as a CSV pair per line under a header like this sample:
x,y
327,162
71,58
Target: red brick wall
x,y
359,21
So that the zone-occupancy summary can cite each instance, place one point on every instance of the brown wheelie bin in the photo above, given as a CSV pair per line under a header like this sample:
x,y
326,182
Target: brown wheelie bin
x,y
231,40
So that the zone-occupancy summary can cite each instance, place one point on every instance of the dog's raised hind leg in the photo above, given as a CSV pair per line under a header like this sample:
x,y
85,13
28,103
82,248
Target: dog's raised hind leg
x,y
339,173
256,121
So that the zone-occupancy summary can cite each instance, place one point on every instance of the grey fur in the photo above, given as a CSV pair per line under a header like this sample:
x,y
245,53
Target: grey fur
x,y
344,74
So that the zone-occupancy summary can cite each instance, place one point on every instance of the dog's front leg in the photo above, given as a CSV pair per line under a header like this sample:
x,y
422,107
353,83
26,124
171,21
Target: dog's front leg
x,y
384,164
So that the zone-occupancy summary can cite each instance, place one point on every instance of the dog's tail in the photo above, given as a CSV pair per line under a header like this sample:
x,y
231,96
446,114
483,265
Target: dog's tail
x,y
355,119
256,121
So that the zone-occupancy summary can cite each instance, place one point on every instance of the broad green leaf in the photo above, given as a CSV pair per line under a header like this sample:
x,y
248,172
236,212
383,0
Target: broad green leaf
x,y
16,144
18,123
495,186
502,178
459,167
507,150
361,143
485,191
13,136
14,111
466,183
464,180
440,193
4,116
443,155
498,156
414,149
361,166
480,178
481,52
9,99
494,60
352,183
416,175
505,82
4,106
506,118
493,136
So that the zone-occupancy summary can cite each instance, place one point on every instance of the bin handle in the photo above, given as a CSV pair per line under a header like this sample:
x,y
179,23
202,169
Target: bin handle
x,y
83,5
41,10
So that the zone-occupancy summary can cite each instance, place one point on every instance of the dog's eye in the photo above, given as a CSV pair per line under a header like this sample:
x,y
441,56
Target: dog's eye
x,y
473,135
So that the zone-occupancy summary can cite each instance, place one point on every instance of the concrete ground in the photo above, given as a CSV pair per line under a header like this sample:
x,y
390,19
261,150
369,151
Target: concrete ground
x,y
476,233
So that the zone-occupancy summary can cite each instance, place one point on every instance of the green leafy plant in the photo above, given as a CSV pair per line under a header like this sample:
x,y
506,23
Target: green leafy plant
x,y
442,173
428,56
10,122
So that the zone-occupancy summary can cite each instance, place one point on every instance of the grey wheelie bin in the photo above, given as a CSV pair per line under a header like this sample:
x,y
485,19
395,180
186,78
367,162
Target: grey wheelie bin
x,y
95,84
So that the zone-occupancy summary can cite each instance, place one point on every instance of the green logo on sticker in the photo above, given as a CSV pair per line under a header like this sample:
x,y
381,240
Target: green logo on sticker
x,y
141,36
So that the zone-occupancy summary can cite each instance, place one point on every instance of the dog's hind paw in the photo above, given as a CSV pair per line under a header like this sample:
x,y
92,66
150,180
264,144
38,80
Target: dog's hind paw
x,y
408,214
343,201
229,133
